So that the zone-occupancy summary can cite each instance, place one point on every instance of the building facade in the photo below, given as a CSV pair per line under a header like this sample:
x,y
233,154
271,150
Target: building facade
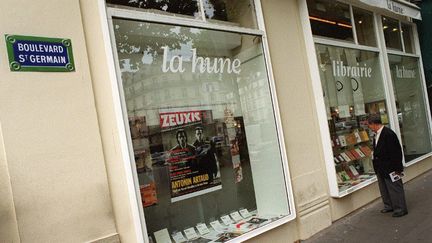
x,y
160,121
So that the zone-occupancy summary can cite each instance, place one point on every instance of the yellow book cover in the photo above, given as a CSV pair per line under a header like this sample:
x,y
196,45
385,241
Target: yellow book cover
x,y
364,136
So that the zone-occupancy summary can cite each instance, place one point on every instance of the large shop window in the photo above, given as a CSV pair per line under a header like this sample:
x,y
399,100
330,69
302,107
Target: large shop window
x,y
203,131
353,88
410,100
411,108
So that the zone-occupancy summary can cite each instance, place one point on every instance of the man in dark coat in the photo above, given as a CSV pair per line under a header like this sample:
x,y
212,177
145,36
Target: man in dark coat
x,y
387,159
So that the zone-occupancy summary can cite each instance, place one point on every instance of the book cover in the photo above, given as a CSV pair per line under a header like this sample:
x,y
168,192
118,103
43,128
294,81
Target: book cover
x,y
354,171
162,236
350,139
395,177
357,136
337,142
148,194
360,152
190,233
366,150
256,220
202,228
350,173
345,157
344,176
364,136
350,155
356,155
342,140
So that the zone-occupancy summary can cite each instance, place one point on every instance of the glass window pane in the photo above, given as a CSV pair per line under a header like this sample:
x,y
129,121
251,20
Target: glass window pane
x,y
202,126
364,24
170,7
407,34
239,13
392,33
330,19
415,134
352,88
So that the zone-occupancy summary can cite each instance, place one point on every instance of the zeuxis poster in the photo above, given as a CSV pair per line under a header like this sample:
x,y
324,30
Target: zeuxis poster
x,y
190,144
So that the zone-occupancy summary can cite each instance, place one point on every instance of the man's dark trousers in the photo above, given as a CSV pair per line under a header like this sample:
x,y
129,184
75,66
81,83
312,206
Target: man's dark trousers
x,y
392,194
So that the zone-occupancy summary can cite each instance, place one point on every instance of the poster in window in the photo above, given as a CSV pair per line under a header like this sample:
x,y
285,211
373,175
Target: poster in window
x,y
189,139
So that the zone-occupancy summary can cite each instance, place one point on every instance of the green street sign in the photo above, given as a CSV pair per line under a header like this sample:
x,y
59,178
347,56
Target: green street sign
x,y
39,54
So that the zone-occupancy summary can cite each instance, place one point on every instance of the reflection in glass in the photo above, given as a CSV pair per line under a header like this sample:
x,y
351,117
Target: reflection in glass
x,y
408,38
330,19
182,7
238,13
392,33
202,124
352,88
215,9
415,134
364,27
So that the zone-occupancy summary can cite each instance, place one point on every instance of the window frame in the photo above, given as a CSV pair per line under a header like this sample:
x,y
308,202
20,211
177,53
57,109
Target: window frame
x,y
121,112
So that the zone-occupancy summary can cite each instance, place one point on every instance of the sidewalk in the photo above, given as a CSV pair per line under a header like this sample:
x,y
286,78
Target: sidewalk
x,y
367,224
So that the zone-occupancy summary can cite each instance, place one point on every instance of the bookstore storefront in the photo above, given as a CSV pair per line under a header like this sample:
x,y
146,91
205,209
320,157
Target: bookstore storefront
x,y
203,120
368,63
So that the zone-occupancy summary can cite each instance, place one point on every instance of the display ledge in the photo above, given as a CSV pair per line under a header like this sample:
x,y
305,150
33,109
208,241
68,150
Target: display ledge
x,y
233,229
262,229
416,160
357,187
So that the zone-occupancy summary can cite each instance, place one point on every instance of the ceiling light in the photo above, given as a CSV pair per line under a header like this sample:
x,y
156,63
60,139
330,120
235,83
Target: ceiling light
x,y
322,20
344,25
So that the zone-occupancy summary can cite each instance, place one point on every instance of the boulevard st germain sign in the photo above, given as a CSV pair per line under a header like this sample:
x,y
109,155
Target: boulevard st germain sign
x,y
41,54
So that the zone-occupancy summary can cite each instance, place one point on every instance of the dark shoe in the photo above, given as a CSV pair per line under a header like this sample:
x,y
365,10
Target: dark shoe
x,y
386,210
399,214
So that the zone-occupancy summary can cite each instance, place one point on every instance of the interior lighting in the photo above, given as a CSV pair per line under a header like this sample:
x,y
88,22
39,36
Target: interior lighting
x,y
344,25
329,22
322,20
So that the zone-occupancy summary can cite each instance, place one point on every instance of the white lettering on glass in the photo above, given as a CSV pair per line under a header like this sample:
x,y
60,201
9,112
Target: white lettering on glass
x,y
172,62
200,64
340,70
405,73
